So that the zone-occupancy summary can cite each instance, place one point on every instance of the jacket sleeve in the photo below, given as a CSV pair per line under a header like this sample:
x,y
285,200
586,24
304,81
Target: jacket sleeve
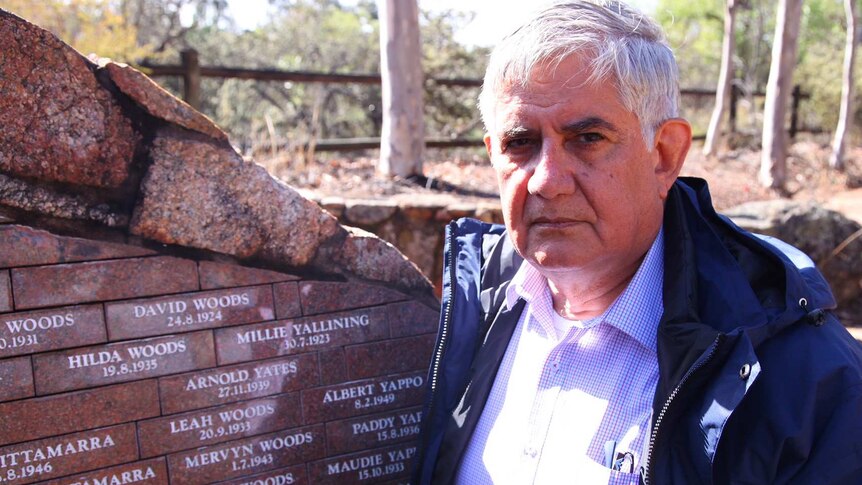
x,y
835,456
802,420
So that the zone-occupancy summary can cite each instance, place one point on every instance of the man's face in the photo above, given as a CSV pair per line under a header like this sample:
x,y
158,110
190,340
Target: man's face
x,y
579,188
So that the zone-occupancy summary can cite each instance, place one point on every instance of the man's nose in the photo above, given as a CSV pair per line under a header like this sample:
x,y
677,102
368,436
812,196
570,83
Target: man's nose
x,y
552,175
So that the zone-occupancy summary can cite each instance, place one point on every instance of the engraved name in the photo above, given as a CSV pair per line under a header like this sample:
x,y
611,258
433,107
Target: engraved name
x,y
303,334
122,478
373,466
181,306
368,395
248,456
22,329
46,322
283,479
390,427
242,381
136,352
56,451
241,375
203,309
224,423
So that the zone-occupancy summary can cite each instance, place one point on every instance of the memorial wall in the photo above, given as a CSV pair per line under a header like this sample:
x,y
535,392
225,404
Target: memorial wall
x,y
169,313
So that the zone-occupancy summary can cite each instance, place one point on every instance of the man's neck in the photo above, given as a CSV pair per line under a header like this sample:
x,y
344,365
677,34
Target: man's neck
x,y
577,297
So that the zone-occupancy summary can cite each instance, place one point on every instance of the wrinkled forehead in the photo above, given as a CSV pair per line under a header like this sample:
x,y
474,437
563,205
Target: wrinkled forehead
x,y
551,81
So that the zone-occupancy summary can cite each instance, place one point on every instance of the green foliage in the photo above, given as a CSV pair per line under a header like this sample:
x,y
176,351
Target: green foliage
x,y
450,111
821,57
695,27
325,36
694,30
90,26
304,35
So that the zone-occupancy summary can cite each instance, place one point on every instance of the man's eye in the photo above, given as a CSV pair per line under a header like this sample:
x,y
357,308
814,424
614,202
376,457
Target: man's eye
x,y
517,143
590,137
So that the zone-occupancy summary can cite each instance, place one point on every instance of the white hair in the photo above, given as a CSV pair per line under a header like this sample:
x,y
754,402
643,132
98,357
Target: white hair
x,y
622,45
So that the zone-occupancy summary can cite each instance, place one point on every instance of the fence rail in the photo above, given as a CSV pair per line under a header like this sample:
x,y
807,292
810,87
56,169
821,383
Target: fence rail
x,y
191,72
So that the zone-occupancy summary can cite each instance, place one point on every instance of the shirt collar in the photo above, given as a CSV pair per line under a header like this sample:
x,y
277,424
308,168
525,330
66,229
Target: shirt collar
x,y
638,309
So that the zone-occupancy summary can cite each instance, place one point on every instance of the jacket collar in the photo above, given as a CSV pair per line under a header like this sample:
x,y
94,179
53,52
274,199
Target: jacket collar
x,y
722,280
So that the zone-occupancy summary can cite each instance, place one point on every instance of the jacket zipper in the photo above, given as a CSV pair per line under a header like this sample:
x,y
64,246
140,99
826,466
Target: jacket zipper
x,y
444,324
646,469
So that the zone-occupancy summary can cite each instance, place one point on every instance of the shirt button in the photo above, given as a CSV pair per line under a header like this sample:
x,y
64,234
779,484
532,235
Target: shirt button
x,y
531,452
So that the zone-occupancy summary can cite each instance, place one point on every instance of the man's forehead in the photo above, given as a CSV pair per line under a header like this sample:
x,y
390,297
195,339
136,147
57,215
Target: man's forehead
x,y
518,106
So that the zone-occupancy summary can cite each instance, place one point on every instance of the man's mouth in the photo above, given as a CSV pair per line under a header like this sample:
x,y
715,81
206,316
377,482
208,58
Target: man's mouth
x,y
554,221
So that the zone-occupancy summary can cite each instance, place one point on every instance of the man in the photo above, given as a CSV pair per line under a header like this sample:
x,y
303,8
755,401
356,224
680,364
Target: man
x,y
619,330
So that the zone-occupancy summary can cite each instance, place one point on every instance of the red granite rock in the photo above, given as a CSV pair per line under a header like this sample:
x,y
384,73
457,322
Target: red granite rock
x,y
210,426
286,300
188,311
203,194
16,378
68,454
247,456
373,430
330,296
365,255
362,397
222,385
64,284
412,318
48,200
389,356
371,466
57,123
225,275
333,366
271,339
75,411
25,246
54,329
5,292
158,102
135,359
148,472
294,475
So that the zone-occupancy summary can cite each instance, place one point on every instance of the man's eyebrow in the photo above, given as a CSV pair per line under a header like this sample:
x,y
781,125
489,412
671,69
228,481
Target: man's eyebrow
x,y
515,132
588,124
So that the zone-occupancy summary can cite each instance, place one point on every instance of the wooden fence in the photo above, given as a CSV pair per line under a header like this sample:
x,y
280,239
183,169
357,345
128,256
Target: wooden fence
x,y
191,73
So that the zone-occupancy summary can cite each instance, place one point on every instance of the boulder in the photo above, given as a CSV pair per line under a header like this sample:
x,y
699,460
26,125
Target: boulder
x,y
100,143
57,123
827,237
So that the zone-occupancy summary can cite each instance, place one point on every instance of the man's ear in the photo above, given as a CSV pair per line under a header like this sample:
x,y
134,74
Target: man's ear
x,y
672,141
487,140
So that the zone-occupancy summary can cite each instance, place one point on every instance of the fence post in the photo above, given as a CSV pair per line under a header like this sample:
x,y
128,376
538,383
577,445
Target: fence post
x,y
734,99
794,113
191,78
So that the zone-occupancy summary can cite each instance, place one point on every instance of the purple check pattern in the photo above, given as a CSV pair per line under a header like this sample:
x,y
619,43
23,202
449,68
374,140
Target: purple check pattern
x,y
560,396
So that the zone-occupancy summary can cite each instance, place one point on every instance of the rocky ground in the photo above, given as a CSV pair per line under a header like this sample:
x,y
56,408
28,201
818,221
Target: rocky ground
x,y
468,176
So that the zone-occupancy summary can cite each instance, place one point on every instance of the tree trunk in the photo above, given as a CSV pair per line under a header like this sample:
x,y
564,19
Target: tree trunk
x,y
725,79
773,163
845,117
403,132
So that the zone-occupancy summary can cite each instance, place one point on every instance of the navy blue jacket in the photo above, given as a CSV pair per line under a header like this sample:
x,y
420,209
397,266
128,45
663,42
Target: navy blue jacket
x,y
758,381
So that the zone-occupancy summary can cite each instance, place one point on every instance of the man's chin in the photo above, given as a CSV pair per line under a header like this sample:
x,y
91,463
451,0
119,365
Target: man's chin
x,y
555,262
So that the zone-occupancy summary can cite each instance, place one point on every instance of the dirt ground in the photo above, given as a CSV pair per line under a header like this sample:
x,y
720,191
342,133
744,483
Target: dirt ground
x,y
467,175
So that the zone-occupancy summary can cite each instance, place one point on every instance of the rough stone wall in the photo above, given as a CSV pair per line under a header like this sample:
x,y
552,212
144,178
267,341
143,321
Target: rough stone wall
x,y
189,369
415,228
170,313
